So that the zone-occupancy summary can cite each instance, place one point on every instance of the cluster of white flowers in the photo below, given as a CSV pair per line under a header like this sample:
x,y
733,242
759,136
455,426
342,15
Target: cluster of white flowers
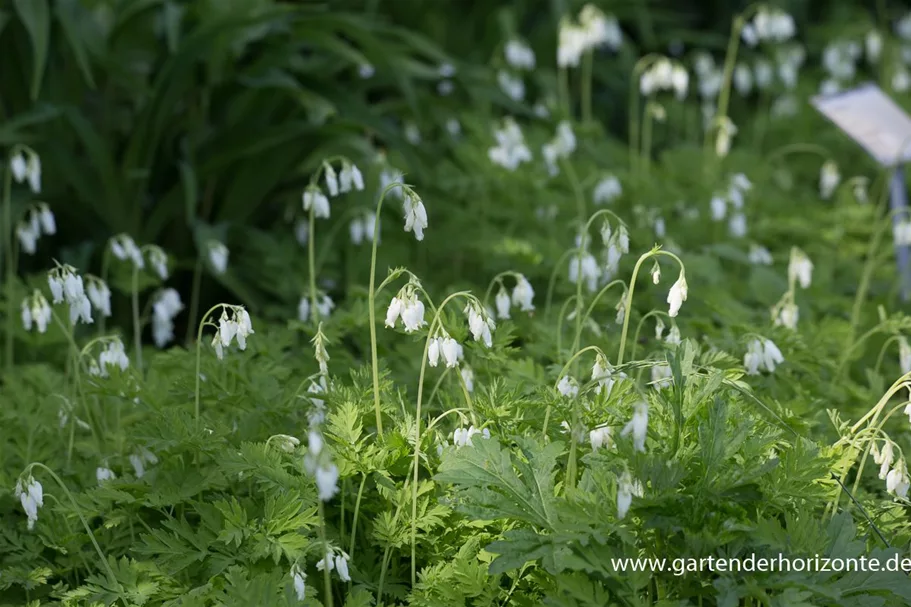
x,y
607,190
140,458
585,267
594,29
218,256
166,307
324,307
461,437
350,177
415,214
31,496
522,296
409,307
299,581
445,346
510,150
638,426
769,24
896,476
840,59
66,285
36,310
236,326
519,55
25,165
759,255
124,248
480,322
362,227
829,178
626,489
665,75
762,355
313,198
561,146
337,560
40,220
113,355
733,198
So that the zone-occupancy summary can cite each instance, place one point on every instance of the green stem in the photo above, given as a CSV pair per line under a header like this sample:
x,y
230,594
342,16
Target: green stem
x,y
202,324
311,261
639,328
371,307
646,154
322,537
357,510
417,432
137,329
194,299
10,265
629,295
85,524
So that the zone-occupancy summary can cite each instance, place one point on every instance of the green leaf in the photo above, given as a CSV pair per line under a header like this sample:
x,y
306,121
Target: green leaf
x,y
67,14
35,16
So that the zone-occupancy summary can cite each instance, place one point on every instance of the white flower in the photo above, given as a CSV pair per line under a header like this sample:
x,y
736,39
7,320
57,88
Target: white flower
x,y
412,133
356,230
451,351
123,247
159,260
103,474
31,497
218,256
749,35
511,85
468,378
67,285
743,79
433,351
502,302
787,316
897,482
480,323
760,255
415,215
166,307
677,295
523,294
904,355
874,45
763,73
27,169
586,269
349,176
413,314
139,459
396,306
625,490
568,386
510,150
314,198
719,208
327,481
673,336
726,132
331,179
28,238
100,295
519,55
800,268
737,225
662,376
341,567
113,356
299,579
607,190
572,43
883,458
638,426
600,437
829,179
365,70
462,437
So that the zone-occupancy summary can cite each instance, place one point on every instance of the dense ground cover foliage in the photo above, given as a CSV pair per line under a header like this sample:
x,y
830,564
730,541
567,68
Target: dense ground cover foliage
x,y
336,304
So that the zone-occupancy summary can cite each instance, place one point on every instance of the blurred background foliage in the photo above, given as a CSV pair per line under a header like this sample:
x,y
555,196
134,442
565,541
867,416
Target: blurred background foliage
x,y
175,121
